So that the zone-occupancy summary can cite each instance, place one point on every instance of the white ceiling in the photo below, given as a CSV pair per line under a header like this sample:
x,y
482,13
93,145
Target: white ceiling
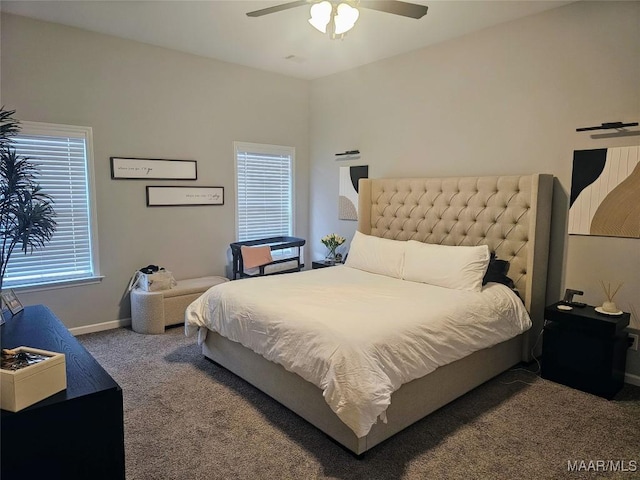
x,y
221,30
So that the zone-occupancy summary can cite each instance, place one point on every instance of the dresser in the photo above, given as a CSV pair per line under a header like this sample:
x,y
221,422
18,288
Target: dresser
x,y
75,434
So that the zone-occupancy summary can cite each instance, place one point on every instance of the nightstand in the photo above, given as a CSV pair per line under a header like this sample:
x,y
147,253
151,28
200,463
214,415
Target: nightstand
x,y
323,264
585,349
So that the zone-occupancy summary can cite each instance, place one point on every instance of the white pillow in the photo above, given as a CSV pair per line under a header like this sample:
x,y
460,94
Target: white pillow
x,y
376,255
459,268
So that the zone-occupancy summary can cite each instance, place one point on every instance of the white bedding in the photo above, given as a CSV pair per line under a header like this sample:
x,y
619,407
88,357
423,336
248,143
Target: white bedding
x,y
358,336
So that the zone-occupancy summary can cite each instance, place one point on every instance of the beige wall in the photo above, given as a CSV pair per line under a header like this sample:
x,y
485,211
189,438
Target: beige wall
x,y
145,101
506,100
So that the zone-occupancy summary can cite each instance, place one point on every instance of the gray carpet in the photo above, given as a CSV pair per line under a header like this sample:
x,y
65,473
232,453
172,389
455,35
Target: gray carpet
x,y
187,418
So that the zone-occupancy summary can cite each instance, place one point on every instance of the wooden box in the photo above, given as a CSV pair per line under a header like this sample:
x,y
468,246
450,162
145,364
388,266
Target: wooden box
x,y
28,385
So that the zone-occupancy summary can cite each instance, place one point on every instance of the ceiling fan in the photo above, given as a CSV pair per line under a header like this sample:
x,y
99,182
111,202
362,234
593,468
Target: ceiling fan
x,y
338,17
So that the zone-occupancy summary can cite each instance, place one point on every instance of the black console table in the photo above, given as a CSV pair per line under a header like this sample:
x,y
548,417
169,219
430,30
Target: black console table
x,y
584,349
75,434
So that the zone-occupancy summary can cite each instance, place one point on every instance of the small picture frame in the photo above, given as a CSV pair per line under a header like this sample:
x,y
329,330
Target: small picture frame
x,y
10,299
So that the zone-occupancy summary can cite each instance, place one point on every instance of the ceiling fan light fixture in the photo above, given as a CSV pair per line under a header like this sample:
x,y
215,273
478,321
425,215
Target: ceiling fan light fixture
x,y
345,18
321,15
336,19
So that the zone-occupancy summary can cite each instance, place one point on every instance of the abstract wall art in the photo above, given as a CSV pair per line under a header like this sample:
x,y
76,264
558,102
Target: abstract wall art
x,y
605,192
348,191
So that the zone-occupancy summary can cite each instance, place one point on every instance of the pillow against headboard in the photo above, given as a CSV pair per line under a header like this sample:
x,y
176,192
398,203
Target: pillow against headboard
x,y
376,255
456,267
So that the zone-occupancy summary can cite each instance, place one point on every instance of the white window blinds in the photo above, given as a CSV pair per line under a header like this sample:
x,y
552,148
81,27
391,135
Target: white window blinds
x,y
62,155
264,192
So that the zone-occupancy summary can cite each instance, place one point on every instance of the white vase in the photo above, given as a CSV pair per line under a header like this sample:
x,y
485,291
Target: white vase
x,y
609,307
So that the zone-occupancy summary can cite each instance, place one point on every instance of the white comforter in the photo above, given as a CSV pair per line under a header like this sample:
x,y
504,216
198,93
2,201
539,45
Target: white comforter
x,y
358,336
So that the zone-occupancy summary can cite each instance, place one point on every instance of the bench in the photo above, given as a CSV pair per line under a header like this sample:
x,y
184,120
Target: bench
x,y
151,312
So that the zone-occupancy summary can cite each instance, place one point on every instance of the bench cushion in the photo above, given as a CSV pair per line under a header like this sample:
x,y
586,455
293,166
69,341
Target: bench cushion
x,y
193,285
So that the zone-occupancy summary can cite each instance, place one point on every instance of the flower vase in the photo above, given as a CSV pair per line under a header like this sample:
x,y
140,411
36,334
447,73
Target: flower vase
x,y
331,257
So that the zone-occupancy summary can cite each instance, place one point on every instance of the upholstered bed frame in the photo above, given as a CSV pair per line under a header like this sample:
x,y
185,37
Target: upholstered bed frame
x,y
511,214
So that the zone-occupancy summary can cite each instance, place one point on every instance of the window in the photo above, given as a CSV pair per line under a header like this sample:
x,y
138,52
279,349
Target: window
x,y
64,156
264,191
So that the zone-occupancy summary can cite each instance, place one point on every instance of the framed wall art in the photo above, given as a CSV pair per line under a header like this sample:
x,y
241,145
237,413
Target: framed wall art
x,y
184,196
605,192
348,191
152,168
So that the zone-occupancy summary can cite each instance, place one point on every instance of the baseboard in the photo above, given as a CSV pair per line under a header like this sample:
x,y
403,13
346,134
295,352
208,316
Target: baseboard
x,y
632,379
99,327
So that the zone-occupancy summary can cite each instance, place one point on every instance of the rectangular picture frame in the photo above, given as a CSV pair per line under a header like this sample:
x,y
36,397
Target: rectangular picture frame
x,y
174,196
10,299
602,200
348,191
126,168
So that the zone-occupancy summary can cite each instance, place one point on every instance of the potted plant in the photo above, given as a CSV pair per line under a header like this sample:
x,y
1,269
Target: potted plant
x,y
26,213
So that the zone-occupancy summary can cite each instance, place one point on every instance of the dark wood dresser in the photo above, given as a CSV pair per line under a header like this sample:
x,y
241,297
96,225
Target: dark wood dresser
x,y
75,434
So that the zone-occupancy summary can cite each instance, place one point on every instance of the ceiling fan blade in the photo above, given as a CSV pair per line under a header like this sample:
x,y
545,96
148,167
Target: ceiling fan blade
x,y
396,7
277,8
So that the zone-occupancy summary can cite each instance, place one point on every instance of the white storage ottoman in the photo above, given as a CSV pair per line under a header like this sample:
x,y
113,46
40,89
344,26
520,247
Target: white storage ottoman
x,y
152,311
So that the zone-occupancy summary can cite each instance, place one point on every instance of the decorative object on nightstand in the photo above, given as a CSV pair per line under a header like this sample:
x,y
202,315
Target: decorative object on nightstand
x,y
584,349
332,242
609,307
568,302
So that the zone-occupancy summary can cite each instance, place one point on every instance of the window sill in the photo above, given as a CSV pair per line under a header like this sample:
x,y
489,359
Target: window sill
x,y
38,287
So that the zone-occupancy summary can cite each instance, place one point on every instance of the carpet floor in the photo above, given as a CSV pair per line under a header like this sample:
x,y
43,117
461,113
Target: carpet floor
x,y
188,418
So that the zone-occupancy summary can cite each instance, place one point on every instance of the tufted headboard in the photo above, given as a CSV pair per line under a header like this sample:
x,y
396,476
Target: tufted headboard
x,y
510,214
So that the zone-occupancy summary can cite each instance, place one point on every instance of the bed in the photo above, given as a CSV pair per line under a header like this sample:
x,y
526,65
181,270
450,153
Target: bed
x,y
510,215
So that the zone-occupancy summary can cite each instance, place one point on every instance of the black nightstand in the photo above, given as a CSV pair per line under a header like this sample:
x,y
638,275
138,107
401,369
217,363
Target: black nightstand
x,y
323,264
585,349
